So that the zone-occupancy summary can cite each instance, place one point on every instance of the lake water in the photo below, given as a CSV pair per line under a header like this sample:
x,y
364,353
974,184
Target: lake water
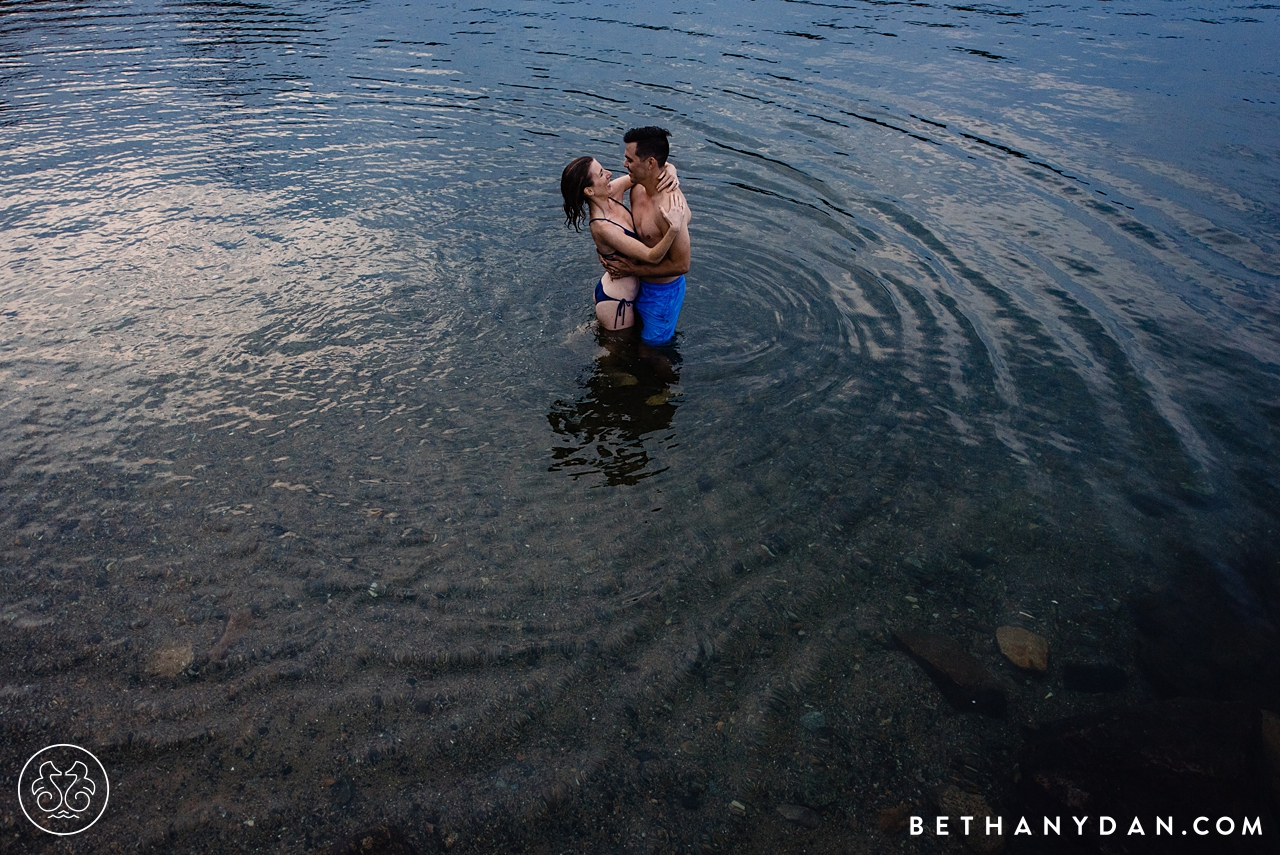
x,y
324,506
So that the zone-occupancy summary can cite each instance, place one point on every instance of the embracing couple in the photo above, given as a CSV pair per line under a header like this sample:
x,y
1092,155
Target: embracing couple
x,y
644,248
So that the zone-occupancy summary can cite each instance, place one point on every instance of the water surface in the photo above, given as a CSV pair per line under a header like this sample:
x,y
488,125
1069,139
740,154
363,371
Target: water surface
x,y
324,506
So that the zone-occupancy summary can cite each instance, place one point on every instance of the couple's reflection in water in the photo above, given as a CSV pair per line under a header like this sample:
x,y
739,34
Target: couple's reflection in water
x,y
621,421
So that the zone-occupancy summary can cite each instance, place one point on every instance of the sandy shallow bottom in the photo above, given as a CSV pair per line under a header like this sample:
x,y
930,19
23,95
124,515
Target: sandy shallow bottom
x,y
273,656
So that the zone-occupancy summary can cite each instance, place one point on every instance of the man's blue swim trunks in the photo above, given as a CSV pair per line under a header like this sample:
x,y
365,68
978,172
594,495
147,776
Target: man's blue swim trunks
x,y
659,307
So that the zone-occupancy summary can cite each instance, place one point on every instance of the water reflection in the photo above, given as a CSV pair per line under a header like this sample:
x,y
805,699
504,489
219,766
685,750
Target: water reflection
x,y
624,412
972,343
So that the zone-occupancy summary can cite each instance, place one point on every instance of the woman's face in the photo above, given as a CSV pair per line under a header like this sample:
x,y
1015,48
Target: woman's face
x,y
600,178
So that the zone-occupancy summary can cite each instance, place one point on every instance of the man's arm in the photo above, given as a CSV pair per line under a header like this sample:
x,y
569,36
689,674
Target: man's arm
x,y
677,217
675,264
669,182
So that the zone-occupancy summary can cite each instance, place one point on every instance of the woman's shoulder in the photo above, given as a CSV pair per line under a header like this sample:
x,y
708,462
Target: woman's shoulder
x,y
599,227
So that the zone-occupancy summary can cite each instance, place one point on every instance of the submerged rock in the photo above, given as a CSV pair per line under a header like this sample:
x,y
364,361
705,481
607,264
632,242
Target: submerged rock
x,y
800,815
961,678
622,378
171,660
977,560
894,819
813,721
1024,648
378,840
341,792
237,623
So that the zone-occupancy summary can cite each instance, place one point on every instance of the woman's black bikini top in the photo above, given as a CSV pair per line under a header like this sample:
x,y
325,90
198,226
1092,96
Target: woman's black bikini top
x,y
626,231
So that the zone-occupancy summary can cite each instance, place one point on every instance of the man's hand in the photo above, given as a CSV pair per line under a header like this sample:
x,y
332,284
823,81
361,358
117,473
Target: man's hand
x,y
618,266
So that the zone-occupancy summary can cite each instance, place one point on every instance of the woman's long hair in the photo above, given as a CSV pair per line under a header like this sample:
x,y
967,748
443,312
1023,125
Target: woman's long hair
x,y
573,181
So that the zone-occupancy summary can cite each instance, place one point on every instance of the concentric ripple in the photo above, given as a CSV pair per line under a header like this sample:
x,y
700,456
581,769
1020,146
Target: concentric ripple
x,y
326,506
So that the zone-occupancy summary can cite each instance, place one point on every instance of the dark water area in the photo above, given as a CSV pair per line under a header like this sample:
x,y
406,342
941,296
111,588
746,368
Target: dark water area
x,y
325,511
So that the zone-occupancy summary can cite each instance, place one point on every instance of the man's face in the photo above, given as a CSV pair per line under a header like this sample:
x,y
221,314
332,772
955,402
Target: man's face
x,y
638,169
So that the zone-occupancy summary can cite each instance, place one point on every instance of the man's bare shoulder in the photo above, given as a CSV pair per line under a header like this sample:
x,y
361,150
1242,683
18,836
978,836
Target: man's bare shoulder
x,y
640,196
642,200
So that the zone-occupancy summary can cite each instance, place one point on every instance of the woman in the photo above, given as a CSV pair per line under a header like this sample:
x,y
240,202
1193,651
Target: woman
x,y
592,196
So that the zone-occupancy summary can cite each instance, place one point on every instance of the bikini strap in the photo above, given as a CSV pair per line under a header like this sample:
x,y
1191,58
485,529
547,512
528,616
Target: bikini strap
x,y
622,310
628,232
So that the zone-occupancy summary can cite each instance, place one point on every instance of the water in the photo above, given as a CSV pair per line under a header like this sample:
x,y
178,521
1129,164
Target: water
x,y
323,506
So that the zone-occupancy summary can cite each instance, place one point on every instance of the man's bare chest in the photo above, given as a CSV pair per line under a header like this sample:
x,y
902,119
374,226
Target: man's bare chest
x,y
648,223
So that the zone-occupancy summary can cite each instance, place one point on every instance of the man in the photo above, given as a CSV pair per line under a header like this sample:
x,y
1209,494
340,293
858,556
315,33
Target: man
x,y
662,284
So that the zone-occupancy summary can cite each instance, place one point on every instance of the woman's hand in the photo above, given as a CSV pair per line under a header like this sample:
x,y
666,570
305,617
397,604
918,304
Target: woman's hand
x,y
675,212
668,182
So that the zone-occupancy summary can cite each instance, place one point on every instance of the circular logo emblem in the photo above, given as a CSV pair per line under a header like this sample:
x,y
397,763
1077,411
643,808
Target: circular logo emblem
x,y
63,789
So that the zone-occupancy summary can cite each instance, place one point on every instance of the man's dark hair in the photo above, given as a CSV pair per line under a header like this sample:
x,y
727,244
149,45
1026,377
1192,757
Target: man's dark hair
x,y
650,142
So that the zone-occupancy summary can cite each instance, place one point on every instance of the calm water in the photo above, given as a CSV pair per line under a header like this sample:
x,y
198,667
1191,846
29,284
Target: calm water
x,y
323,506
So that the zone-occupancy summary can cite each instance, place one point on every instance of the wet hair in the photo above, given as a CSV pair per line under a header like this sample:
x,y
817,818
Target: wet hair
x,y
650,142
575,179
